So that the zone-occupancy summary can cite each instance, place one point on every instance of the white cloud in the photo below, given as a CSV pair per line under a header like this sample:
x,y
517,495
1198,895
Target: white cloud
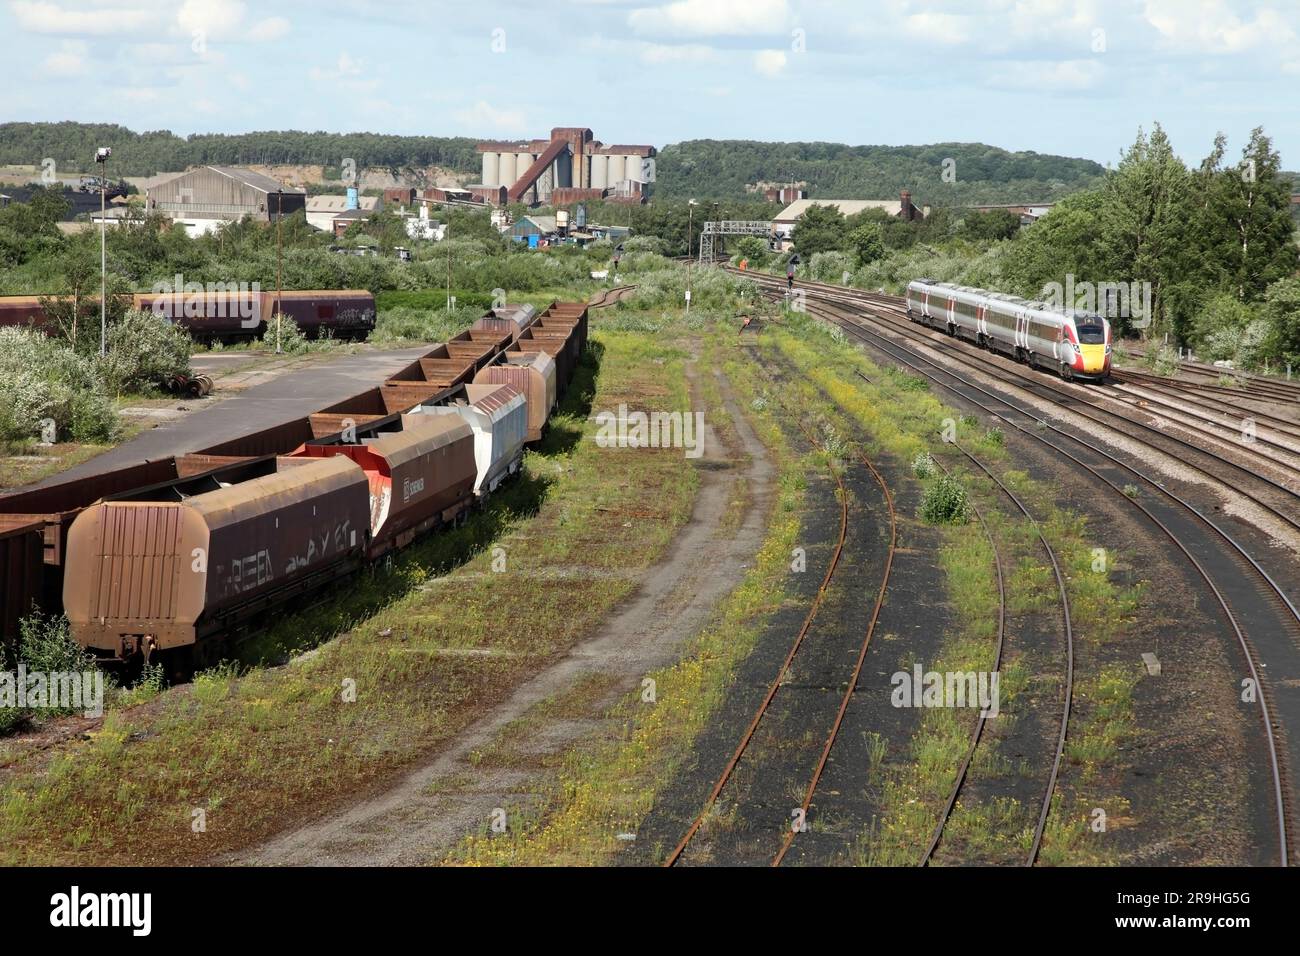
x,y
40,16
272,28
482,116
660,53
346,66
214,19
712,18
1213,26
948,28
1048,76
770,62
69,60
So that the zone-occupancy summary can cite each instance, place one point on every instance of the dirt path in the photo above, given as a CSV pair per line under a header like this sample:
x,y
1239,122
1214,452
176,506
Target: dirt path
x,y
448,796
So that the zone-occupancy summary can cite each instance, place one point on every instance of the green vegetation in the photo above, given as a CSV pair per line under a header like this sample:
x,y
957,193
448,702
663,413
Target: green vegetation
x,y
945,501
429,642
51,383
708,168
1215,246
72,146
605,788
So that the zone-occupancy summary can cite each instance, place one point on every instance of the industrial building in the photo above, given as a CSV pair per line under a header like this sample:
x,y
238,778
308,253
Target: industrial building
x,y
901,208
206,196
569,167
324,211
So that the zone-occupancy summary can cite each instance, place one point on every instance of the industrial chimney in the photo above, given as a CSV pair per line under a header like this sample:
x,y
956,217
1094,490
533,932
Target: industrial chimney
x,y
905,213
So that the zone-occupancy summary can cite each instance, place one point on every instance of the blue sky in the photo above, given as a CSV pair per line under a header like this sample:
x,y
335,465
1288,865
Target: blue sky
x,y
1075,77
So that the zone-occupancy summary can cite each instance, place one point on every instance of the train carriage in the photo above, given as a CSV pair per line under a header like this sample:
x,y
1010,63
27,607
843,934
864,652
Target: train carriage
x,y
1076,345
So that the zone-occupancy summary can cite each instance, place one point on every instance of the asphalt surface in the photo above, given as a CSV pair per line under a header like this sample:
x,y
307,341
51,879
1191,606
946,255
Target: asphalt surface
x,y
289,396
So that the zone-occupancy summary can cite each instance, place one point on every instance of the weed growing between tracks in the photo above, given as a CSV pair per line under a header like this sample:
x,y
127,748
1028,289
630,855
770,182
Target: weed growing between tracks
x,y
607,789
906,421
429,643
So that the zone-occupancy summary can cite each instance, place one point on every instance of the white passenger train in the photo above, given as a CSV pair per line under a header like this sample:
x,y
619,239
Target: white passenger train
x,y
1074,345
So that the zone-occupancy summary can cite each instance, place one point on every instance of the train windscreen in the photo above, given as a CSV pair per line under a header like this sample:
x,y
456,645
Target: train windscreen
x,y
1091,331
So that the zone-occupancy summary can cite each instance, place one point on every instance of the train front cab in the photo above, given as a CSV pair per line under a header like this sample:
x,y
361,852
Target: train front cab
x,y
1087,348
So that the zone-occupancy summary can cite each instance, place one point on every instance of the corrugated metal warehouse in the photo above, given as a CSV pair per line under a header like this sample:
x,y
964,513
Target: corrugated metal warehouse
x,y
206,196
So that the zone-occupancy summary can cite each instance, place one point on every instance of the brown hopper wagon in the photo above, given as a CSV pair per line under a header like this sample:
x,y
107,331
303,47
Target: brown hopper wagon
x,y
160,569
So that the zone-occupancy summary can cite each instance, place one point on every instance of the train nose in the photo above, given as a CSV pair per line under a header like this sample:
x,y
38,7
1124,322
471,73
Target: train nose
x,y
1094,358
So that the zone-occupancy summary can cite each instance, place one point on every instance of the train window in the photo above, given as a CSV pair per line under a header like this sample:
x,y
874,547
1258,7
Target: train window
x,y
1091,333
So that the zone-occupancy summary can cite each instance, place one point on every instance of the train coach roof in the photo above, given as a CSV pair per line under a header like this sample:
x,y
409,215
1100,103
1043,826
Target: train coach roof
x,y
299,480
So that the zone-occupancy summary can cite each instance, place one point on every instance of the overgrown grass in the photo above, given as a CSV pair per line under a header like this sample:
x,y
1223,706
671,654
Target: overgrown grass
x,y
909,423
603,791
258,748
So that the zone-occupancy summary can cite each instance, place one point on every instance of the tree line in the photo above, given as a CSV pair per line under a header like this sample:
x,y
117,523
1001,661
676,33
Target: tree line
x,y
951,174
72,146
1213,246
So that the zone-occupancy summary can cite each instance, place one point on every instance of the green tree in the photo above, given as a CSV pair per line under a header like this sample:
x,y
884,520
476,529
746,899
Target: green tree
x,y
867,244
990,226
819,229
1145,216
1253,199
1282,312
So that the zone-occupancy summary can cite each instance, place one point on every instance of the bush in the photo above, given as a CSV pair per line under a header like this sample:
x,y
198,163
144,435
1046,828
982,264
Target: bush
x,y
44,644
41,379
710,289
645,244
422,325
945,502
830,266
143,351
1161,359
923,465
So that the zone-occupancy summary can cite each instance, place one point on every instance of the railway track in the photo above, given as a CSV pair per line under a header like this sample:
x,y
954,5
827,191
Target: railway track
x,y
1242,588
764,707
1262,386
1275,499
607,297
981,720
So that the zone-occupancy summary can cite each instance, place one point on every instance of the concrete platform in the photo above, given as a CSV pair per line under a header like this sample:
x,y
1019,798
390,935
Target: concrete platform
x,y
288,396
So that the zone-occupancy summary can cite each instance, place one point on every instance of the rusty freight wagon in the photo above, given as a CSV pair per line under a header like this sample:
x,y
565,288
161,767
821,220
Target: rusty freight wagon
x,y
560,346
22,572
162,568
225,316
56,506
421,473
24,311
533,373
511,319
342,314
498,414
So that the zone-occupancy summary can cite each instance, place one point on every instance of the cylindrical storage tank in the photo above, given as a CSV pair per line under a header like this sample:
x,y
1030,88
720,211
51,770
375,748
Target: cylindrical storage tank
x,y
632,168
175,571
507,170
491,169
534,374
615,173
599,171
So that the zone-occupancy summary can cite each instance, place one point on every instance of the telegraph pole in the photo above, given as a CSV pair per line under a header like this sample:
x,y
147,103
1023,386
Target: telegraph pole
x,y
101,158
279,266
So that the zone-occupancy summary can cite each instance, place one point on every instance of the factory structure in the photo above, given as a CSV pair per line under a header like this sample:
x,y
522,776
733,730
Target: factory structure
x,y
201,199
571,166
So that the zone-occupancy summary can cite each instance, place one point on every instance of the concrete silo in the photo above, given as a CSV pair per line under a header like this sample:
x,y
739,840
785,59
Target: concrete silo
x,y
491,169
599,171
506,169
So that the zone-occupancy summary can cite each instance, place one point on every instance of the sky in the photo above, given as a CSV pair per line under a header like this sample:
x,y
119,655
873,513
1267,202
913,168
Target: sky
x,y
1072,77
